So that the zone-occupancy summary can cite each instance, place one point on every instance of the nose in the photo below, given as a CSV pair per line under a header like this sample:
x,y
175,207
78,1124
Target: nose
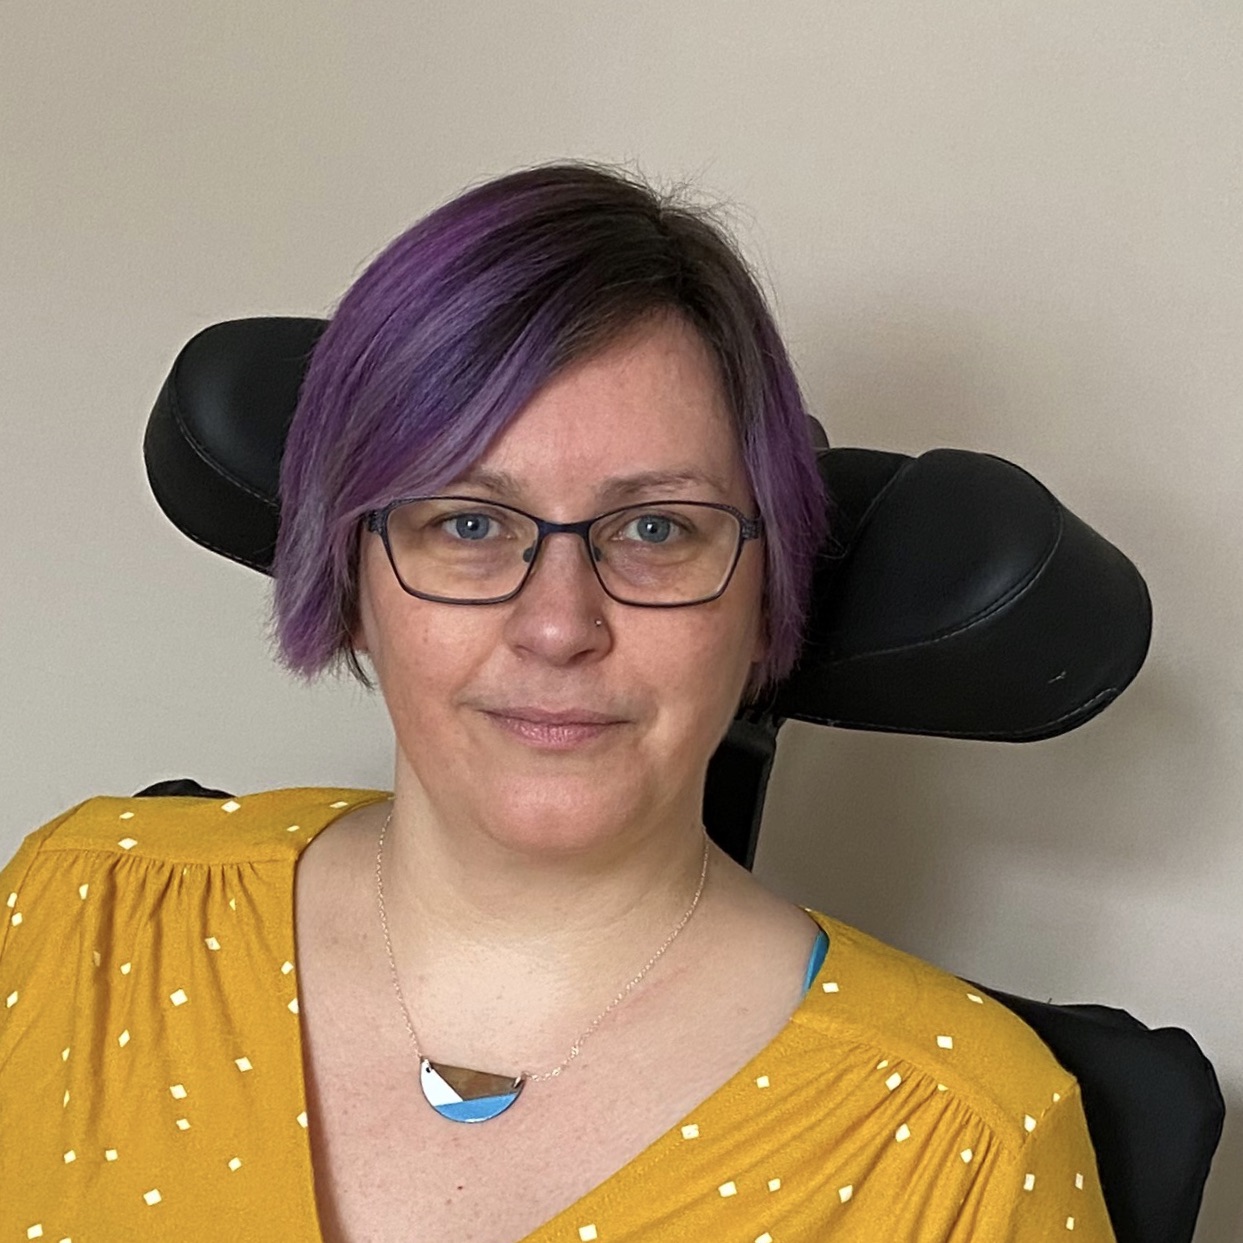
x,y
562,595
564,562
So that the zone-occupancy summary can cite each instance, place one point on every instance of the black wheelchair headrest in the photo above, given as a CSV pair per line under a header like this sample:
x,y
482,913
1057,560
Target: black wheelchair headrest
x,y
956,596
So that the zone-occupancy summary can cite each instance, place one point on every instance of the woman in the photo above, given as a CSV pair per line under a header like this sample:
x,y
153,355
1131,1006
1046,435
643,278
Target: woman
x,y
550,475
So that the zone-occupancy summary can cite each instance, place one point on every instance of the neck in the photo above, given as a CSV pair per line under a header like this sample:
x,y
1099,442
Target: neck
x,y
494,931
477,885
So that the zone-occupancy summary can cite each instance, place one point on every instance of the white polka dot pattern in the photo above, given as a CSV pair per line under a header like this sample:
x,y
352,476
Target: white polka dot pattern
x,y
874,1089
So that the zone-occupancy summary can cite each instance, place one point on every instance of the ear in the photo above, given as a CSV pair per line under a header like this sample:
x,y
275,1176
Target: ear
x,y
351,616
357,605
759,651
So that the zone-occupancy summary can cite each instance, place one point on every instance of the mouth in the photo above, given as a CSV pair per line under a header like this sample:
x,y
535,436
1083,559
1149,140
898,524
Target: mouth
x,y
554,735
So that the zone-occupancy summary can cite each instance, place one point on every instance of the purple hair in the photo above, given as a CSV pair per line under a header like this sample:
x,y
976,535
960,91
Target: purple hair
x,y
464,318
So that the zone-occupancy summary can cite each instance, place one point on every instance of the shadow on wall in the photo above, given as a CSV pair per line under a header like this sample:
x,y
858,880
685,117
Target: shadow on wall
x,y
922,839
1221,1218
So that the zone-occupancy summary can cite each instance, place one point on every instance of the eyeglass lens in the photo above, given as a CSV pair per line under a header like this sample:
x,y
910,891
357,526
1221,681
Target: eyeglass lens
x,y
648,554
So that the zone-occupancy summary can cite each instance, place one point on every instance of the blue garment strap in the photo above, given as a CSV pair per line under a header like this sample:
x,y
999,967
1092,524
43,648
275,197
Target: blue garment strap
x,y
814,963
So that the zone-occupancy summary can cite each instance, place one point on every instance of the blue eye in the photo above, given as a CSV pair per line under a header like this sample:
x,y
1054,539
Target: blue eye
x,y
655,529
468,525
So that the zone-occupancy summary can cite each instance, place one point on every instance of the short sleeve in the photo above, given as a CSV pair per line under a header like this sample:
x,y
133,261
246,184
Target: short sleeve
x,y
14,873
1058,1192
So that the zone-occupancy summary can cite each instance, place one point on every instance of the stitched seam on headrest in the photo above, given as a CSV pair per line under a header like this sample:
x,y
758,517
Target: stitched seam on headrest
x,y
201,452
871,727
861,523
1000,603
224,552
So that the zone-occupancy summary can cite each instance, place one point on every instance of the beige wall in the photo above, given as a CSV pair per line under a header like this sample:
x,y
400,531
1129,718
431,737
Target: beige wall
x,y
1005,226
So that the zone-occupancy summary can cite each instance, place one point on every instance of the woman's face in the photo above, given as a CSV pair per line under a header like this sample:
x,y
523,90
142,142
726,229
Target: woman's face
x,y
673,677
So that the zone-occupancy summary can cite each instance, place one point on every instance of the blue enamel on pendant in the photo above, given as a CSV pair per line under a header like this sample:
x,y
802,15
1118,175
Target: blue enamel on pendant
x,y
464,1095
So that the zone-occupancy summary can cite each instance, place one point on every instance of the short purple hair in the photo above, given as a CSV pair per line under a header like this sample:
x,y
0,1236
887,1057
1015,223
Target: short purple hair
x,y
462,319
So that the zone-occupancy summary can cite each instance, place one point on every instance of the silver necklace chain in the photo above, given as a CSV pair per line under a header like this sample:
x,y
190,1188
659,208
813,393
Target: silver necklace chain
x,y
578,1044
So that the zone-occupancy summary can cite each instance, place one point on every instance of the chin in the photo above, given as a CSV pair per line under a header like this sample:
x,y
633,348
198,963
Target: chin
x,y
557,820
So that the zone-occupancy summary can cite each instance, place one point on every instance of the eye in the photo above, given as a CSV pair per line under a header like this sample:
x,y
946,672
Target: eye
x,y
653,528
457,524
468,526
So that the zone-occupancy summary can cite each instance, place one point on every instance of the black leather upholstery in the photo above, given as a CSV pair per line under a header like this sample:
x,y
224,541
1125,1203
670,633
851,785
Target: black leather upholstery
x,y
965,601
214,440
1154,1110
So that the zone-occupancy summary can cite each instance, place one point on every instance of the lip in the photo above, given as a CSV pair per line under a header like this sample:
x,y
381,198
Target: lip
x,y
569,716
553,736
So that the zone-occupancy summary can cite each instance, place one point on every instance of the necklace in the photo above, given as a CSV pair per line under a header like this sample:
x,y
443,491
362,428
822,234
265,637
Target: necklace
x,y
462,1094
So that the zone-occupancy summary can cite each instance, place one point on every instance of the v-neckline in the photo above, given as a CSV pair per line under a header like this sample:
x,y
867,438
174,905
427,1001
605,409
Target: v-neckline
x,y
630,1169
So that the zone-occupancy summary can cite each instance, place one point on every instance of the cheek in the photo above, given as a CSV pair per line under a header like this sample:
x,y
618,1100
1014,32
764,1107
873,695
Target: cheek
x,y
420,661
697,668
397,638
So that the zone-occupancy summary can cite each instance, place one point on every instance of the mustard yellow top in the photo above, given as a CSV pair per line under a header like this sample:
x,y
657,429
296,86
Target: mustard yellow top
x,y
151,1074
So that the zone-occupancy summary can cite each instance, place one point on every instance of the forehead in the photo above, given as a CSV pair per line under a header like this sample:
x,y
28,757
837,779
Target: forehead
x,y
645,414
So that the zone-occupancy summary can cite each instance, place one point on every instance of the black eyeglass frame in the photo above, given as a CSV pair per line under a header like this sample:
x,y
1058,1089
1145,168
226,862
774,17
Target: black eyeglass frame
x,y
748,529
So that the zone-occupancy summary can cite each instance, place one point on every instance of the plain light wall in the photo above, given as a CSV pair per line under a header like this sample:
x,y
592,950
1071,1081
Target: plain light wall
x,y
1011,227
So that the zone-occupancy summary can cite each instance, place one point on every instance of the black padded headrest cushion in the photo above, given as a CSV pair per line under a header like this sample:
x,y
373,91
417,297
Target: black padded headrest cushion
x,y
966,601
215,437
958,597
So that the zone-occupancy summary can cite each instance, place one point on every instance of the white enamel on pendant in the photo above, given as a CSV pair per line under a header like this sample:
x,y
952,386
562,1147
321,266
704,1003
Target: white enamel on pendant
x,y
437,1091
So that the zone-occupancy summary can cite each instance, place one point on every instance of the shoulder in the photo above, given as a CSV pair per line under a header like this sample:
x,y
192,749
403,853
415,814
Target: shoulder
x,y
926,1022
158,853
271,824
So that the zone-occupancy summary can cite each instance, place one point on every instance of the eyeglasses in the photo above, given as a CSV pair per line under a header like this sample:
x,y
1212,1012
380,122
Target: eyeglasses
x,y
461,550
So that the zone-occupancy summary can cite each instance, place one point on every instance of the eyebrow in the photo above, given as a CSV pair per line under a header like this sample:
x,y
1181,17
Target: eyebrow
x,y
616,487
